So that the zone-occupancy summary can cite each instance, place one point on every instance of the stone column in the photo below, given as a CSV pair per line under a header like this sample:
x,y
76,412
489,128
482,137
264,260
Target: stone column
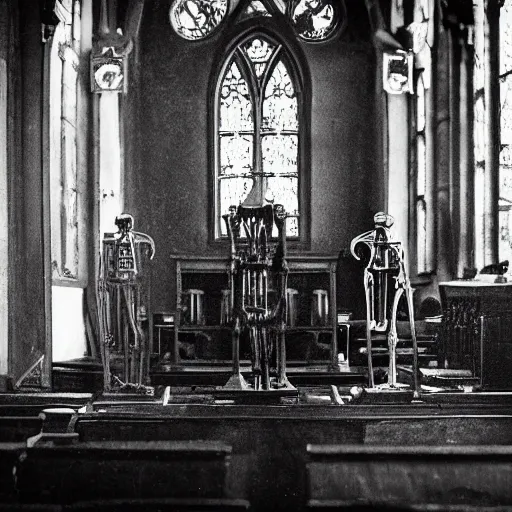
x,y
442,141
492,130
466,159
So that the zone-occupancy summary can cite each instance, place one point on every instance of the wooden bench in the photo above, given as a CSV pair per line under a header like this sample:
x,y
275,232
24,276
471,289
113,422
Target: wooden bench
x,y
157,505
30,507
10,454
161,505
343,477
31,404
60,469
15,429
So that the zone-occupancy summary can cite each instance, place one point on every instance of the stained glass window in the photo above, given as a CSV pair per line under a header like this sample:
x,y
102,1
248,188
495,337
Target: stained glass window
x,y
197,19
315,20
421,176
64,58
258,130
505,201
254,9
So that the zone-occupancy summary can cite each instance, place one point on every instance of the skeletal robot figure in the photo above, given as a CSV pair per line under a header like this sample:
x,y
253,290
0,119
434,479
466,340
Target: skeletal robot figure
x,y
122,309
386,263
252,260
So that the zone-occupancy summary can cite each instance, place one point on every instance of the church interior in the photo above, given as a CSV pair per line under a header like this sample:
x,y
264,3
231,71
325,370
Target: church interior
x,y
287,287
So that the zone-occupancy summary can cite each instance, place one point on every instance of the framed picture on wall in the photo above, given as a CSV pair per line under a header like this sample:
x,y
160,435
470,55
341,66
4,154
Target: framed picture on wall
x,y
398,72
108,73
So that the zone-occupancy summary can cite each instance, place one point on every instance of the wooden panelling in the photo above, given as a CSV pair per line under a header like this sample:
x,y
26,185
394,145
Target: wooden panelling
x,y
10,454
60,470
441,475
19,428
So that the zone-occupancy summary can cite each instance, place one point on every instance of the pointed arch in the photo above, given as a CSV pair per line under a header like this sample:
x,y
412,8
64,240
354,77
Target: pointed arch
x,y
259,126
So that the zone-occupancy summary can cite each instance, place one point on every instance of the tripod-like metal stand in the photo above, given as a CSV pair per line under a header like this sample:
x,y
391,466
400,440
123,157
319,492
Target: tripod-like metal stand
x,y
252,261
122,311
386,263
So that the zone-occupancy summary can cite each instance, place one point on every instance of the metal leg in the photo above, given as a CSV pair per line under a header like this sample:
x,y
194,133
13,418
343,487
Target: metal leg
x,y
368,288
393,340
128,299
105,335
236,381
265,373
415,364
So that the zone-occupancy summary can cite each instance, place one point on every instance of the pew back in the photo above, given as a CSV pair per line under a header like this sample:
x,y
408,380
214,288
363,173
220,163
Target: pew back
x,y
409,476
15,429
66,471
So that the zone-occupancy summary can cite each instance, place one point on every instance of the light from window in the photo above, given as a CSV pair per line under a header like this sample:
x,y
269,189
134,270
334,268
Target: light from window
x,y
421,240
505,200
197,19
421,177
258,130
63,150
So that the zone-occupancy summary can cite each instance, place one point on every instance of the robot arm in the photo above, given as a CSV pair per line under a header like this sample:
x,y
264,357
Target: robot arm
x,y
365,238
142,238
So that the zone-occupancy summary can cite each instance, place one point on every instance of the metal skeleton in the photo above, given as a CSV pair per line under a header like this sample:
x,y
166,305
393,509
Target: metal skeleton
x,y
251,263
386,262
121,308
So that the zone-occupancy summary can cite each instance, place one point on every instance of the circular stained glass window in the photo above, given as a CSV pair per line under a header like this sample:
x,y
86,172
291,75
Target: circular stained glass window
x,y
315,20
197,19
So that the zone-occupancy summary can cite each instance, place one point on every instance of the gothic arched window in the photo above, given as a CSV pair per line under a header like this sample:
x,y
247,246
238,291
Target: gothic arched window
x,y
421,177
257,129
505,81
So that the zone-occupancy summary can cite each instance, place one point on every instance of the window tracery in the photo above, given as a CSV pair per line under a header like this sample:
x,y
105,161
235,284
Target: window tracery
x,y
197,19
258,129
312,20
254,9
505,80
64,58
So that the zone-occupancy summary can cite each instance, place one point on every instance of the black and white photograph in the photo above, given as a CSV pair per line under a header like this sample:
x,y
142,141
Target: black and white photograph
x,y
254,255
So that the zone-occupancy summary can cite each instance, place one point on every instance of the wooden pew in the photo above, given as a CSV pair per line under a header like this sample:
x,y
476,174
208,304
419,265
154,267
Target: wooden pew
x,y
31,404
60,469
15,429
161,505
364,477
10,454
29,507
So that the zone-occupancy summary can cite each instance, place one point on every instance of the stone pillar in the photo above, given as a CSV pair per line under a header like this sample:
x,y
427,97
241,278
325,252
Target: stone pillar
x,y
4,224
442,140
454,102
466,159
492,130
